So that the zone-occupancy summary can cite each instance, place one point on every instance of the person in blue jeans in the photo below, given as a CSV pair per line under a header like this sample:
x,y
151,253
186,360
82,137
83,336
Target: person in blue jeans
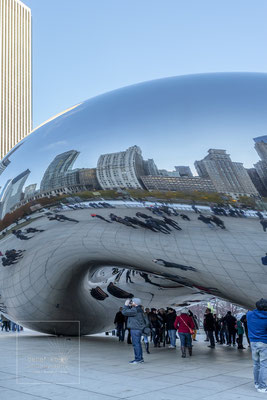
x,y
170,319
257,333
136,322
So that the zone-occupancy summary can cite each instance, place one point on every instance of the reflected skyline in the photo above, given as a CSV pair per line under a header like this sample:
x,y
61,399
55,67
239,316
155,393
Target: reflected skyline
x,y
174,121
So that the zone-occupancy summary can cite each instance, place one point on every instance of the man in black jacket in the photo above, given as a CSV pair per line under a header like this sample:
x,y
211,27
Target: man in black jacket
x,y
136,322
230,321
119,321
170,319
210,326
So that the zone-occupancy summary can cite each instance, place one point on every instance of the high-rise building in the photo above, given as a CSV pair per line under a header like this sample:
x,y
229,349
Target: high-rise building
x,y
88,179
261,147
261,166
30,190
12,193
121,170
150,167
58,170
15,74
257,181
184,171
227,176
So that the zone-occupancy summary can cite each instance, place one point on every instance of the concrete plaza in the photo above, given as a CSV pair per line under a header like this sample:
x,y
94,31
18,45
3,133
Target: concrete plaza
x,y
36,366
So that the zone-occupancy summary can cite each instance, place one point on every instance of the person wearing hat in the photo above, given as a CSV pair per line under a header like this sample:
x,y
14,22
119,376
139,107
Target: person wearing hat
x,y
257,332
136,322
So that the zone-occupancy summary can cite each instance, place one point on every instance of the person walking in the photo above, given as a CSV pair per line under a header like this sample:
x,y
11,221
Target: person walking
x,y
257,332
170,320
185,326
210,327
136,322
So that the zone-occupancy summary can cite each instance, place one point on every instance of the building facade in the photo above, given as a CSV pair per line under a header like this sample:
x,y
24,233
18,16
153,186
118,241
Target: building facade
x,y
261,166
15,74
257,181
227,176
121,170
178,184
59,171
261,147
12,193
150,167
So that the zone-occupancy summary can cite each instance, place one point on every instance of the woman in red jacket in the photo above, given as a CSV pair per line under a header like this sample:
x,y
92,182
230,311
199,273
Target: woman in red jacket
x,y
185,326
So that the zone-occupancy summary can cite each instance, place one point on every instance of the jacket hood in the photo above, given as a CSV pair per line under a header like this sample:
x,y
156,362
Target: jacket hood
x,y
260,314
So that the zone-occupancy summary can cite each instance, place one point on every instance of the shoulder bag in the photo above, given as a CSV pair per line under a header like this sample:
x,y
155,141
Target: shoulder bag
x,y
191,331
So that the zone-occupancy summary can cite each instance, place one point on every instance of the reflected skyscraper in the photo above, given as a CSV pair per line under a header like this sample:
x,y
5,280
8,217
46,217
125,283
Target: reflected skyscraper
x,y
150,167
15,73
121,170
12,192
261,166
58,169
261,147
184,171
227,176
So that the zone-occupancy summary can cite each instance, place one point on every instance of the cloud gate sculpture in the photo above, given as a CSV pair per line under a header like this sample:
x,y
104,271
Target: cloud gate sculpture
x,y
92,210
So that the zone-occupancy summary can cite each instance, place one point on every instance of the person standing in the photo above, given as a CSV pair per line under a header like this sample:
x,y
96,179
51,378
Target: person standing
x,y
240,333
136,322
245,324
170,320
209,323
257,332
194,318
148,333
5,323
217,328
155,326
231,327
119,321
185,326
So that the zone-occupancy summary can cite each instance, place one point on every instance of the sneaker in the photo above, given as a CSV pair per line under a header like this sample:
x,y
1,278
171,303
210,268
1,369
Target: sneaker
x,y
257,386
263,390
141,361
171,347
134,362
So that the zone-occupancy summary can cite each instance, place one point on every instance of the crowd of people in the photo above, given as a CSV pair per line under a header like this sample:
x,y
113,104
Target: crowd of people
x,y
9,325
164,324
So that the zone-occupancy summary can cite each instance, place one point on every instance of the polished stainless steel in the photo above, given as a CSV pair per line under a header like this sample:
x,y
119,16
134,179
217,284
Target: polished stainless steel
x,y
82,271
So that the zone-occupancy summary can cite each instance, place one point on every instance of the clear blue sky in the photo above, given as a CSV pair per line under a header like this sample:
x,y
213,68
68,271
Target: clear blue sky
x,y
82,48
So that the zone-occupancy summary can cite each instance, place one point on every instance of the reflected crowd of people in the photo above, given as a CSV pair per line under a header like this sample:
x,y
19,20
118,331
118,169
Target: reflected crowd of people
x,y
9,326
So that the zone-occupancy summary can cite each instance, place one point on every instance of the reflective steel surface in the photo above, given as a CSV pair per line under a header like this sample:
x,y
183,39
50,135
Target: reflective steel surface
x,y
76,267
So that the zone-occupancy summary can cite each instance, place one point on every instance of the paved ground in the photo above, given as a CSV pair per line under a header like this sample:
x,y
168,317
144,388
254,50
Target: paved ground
x,y
35,366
